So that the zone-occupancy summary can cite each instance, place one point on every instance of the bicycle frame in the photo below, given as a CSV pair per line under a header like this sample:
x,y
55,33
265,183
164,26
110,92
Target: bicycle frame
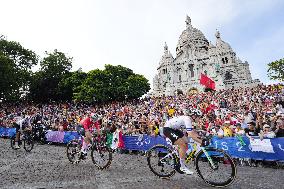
x,y
208,157
191,155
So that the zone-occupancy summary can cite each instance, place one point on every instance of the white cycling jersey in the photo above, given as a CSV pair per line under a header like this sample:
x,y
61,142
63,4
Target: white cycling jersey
x,y
181,122
24,121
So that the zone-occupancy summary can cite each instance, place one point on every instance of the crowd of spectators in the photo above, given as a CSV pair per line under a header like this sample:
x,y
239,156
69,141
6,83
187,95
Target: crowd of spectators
x,y
252,112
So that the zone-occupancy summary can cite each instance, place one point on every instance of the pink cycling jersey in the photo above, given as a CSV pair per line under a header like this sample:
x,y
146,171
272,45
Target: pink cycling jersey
x,y
86,123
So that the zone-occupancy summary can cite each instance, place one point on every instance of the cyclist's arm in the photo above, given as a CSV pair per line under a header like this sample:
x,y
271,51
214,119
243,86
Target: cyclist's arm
x,y
190,132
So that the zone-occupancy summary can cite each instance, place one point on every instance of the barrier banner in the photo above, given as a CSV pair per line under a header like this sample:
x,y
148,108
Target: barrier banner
x,y
68,136
267,149
7,132
142,142
233,146
55,136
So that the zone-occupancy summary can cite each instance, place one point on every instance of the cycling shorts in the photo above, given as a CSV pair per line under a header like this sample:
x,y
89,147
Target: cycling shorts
x,y
80,129
172,134
18,127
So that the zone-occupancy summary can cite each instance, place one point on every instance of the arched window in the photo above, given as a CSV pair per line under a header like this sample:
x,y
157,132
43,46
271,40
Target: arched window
x,y
191,72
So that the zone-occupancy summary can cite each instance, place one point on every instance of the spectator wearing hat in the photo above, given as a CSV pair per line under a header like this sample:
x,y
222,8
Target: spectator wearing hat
x,y
227,129
266,132
279,128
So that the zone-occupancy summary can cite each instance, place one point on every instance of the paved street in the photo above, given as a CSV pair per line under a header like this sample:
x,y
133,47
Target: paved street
x,y
47,167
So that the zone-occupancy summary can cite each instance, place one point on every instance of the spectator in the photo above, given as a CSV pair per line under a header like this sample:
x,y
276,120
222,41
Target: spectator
x,y
217,131
243,123
266,132
252,131
227,129
239,130
279,128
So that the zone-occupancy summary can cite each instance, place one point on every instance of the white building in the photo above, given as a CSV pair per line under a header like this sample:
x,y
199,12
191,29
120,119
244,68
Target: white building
x,y
195,55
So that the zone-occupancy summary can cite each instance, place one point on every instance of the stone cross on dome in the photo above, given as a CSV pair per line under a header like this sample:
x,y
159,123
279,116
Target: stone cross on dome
x,y
166,48
188,21
217,34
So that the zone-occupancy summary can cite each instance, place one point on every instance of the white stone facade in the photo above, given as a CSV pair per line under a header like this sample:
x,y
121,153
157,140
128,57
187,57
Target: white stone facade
x,y
195,55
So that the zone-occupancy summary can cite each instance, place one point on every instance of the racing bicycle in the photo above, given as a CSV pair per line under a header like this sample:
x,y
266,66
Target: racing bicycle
x,y
101,155
214,166
26,139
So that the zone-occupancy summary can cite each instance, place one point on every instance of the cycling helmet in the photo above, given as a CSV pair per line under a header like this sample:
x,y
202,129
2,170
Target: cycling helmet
x,y
94,117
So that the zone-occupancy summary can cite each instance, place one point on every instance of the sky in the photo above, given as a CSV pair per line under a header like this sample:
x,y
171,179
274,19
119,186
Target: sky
x,y
132,33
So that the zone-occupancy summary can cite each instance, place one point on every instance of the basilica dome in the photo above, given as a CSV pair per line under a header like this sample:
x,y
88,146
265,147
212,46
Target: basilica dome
x,y
191,38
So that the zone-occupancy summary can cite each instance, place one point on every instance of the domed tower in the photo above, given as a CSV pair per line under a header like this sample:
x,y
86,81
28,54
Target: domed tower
x,y
163,79
191,40
224,50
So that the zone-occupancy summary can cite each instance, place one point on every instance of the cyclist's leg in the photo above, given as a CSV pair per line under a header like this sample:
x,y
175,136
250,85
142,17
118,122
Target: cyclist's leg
x,y
181,142
86,142
177,137
88,137
194,135
81,131
17,137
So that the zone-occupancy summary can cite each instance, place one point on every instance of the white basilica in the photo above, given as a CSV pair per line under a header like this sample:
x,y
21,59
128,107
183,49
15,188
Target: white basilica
x,y
195,55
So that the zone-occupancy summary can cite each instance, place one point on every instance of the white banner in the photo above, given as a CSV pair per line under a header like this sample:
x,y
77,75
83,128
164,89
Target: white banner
x,y
264,145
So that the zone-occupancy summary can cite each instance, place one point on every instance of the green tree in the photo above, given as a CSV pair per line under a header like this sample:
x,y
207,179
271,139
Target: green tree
x,y
114,83
16,63
276,70
7,77
45,85
69,83
137,85
95,87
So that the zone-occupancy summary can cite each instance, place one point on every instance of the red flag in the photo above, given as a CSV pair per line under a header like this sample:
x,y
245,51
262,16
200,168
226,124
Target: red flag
x,y
207,82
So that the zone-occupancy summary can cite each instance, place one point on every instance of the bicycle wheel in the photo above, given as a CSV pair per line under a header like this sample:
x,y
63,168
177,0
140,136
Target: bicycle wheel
x,y
28,143
224,171
161,161
101,156
73,150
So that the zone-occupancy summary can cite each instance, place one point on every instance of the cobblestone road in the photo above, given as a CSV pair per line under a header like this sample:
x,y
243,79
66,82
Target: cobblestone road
x,y
47,167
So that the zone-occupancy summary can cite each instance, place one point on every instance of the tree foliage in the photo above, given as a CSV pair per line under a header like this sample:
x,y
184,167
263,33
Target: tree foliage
x,y
45,83
54,81
276,70
15,69
69,83
114,83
